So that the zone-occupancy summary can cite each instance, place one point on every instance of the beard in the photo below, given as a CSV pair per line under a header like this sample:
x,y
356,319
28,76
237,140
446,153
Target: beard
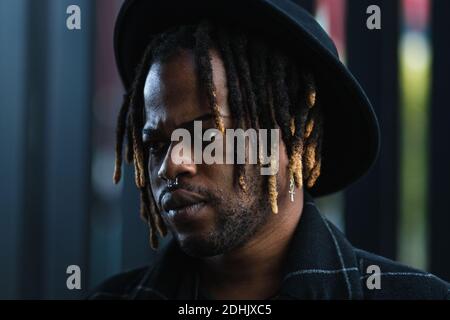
x,y
238,217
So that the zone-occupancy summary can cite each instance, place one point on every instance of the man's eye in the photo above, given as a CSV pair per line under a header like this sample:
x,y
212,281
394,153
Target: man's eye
x,y
157,148
209,134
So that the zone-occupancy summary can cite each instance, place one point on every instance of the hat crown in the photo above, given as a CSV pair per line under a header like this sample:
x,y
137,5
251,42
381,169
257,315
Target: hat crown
x,y
351,132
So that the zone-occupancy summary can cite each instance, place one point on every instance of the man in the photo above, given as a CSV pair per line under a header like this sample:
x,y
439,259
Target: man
x,y
238,234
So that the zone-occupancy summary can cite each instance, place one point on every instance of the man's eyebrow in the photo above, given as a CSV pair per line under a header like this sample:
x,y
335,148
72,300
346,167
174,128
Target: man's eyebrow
x,y
188,125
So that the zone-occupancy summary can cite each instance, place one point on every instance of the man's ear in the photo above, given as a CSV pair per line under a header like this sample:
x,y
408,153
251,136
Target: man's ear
x,y
283,163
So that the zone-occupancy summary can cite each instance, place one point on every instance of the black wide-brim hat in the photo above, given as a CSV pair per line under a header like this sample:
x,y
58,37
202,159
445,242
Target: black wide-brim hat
x,y
351,133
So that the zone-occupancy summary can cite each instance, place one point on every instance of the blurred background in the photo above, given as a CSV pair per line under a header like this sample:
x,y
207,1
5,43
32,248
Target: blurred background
x,y
60,94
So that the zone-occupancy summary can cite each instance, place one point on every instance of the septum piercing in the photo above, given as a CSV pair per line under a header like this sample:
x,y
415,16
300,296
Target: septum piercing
x,y
173,183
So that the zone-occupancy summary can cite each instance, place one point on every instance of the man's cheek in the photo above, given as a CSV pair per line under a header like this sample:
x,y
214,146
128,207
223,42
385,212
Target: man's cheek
x,y
219,176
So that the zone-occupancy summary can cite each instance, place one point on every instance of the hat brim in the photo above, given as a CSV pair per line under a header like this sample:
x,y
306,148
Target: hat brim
x,y
351,133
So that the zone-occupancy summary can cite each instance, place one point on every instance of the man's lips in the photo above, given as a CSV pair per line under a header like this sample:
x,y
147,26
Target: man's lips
x,y
181,199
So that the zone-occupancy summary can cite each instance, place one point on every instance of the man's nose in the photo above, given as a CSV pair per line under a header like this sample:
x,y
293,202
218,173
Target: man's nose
x,y
177,163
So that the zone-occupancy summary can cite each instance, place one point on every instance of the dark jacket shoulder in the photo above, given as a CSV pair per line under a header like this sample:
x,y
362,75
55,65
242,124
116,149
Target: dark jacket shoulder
x,y
321,264
145,282
119,287
397,281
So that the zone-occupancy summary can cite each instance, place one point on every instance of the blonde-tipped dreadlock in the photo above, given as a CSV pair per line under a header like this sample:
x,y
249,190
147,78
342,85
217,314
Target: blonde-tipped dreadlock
x,y
266,90
203,57
308,154
298,115
273,193
242,183
130,121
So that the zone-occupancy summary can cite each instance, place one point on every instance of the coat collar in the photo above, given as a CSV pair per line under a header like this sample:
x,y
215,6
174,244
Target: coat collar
x,y
320,264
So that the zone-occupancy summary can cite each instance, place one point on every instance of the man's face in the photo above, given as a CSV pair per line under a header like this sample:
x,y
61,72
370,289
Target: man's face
x,y
208,214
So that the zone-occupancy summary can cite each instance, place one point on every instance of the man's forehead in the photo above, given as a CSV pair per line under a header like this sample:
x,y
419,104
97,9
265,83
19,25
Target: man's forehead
x,y
171,89
168,84
172,82
168,108
161,123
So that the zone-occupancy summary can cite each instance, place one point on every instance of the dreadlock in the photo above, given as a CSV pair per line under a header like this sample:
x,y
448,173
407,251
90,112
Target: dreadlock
x,y
267,89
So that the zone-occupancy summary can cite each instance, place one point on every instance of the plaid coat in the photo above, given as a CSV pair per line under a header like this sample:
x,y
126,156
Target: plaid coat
x,y
321,264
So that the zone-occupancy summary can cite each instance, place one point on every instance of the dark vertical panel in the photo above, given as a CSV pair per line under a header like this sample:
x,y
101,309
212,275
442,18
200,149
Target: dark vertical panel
x,y
136,249
439,166
106,216
34,124
309,5
68,146
371,205
12,135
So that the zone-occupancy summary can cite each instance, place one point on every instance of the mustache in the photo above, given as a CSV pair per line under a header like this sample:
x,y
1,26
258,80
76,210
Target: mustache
x,y
205,193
